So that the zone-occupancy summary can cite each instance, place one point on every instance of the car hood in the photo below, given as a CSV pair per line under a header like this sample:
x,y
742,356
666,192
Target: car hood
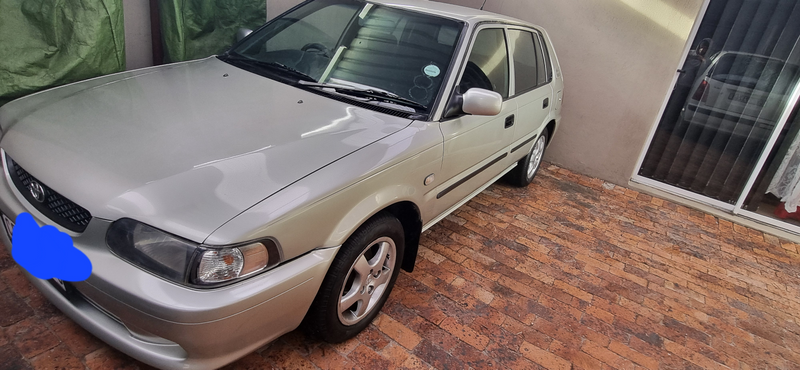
x,y
184,147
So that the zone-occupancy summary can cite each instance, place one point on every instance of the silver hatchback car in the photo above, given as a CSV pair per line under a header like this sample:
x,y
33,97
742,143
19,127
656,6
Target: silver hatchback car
x,y
226,201
740,95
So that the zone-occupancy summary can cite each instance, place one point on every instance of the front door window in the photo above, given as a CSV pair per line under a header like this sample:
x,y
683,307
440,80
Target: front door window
x,y
487,67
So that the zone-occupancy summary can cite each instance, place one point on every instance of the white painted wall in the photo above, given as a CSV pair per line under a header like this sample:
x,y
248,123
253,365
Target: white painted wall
x,y
138,41
619,58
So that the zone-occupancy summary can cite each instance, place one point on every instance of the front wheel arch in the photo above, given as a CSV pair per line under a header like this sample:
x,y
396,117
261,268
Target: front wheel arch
x,y
324,319
409,216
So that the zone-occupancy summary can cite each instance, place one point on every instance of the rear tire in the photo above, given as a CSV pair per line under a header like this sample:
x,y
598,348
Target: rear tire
x,y
528,167
358,282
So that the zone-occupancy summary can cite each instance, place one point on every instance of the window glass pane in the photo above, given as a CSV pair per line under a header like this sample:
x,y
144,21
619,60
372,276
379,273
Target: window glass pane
x,y
732,89
541,63
751,71
402,52
548,66
322,26
358,44
526,76
487,67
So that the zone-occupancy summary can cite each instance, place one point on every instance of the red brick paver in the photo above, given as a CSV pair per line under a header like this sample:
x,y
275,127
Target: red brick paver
x,y
569,273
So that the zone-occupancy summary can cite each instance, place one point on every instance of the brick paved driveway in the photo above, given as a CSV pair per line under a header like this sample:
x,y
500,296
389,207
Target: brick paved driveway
x,y
568,273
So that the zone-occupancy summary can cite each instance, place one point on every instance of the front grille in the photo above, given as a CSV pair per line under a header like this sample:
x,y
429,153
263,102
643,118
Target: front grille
x,y
55,206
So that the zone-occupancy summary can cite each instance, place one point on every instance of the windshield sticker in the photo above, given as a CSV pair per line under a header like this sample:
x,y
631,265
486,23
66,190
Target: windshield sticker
x,y
432,71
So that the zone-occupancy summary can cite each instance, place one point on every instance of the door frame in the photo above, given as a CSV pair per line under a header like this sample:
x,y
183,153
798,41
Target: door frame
x,y
737,208
773,139
635,177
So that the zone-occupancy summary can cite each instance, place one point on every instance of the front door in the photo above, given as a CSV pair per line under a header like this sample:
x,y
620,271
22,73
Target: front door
x,y
475,146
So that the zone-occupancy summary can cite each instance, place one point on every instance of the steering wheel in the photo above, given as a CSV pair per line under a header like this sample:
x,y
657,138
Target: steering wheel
x,y
317,48
475,77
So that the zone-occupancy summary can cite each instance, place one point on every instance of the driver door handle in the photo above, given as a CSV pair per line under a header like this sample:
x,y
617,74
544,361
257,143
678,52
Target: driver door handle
x,y
510,121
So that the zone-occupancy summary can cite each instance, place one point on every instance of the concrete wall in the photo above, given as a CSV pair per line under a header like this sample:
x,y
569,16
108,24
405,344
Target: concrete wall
x,y
619,58
138,42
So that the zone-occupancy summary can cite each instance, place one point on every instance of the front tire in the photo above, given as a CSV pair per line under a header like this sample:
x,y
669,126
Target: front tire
x,y
528,167
358,282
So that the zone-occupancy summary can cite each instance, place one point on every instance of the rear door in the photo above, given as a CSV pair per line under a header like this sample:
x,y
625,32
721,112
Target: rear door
x,y
533,92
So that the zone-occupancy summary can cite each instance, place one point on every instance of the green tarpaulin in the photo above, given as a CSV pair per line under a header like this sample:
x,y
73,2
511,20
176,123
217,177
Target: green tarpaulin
x,y
193,29
46,43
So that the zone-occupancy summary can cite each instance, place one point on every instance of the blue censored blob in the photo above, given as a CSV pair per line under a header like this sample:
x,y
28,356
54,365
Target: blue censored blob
x,y
46,252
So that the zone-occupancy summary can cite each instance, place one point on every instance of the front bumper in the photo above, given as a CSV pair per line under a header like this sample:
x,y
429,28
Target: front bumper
x,y
170,326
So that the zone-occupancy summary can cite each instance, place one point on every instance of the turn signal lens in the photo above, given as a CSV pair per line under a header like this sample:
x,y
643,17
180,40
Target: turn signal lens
x,y
255,258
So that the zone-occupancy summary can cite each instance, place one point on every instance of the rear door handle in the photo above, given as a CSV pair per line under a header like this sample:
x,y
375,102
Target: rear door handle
x,y
510,121
546,103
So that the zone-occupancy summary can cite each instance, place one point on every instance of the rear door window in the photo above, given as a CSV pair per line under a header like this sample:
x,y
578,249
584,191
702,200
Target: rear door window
x,y
526,71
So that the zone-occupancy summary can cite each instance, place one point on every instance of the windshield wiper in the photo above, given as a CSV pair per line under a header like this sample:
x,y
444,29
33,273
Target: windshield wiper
x,y
369,94
232,56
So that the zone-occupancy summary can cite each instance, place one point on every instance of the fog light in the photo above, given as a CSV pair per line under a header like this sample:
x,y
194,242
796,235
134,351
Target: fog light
x,y
219,265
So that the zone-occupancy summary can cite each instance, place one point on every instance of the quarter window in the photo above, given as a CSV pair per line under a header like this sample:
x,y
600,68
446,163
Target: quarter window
x,y
547,65
487,66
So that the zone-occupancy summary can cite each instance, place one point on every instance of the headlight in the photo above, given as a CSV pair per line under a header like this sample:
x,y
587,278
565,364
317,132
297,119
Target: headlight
x,y
185,262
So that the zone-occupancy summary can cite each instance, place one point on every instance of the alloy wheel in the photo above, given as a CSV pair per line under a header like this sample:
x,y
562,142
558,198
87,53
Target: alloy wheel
x,y
367,281
535,158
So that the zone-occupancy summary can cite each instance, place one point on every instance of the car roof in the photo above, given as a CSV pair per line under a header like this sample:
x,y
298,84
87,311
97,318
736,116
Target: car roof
x,y
469,15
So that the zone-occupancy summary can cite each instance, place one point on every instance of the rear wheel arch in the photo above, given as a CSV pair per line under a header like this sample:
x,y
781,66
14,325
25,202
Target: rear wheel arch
x,y
551,130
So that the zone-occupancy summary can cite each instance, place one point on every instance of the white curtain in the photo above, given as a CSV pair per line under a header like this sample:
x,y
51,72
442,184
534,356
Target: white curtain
x,y
786,183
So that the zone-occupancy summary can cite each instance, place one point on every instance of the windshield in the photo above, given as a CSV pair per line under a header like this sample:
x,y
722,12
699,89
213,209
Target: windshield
x,y
360,45
754,72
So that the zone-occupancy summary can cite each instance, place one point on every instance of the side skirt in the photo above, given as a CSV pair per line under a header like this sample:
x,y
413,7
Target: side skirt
x,y
467,199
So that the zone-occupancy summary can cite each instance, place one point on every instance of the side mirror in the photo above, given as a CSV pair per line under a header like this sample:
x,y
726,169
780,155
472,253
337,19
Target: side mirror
x,y
242,33
481,102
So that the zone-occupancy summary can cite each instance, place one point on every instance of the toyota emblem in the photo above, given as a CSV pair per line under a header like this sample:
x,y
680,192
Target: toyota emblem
x,y
37,191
